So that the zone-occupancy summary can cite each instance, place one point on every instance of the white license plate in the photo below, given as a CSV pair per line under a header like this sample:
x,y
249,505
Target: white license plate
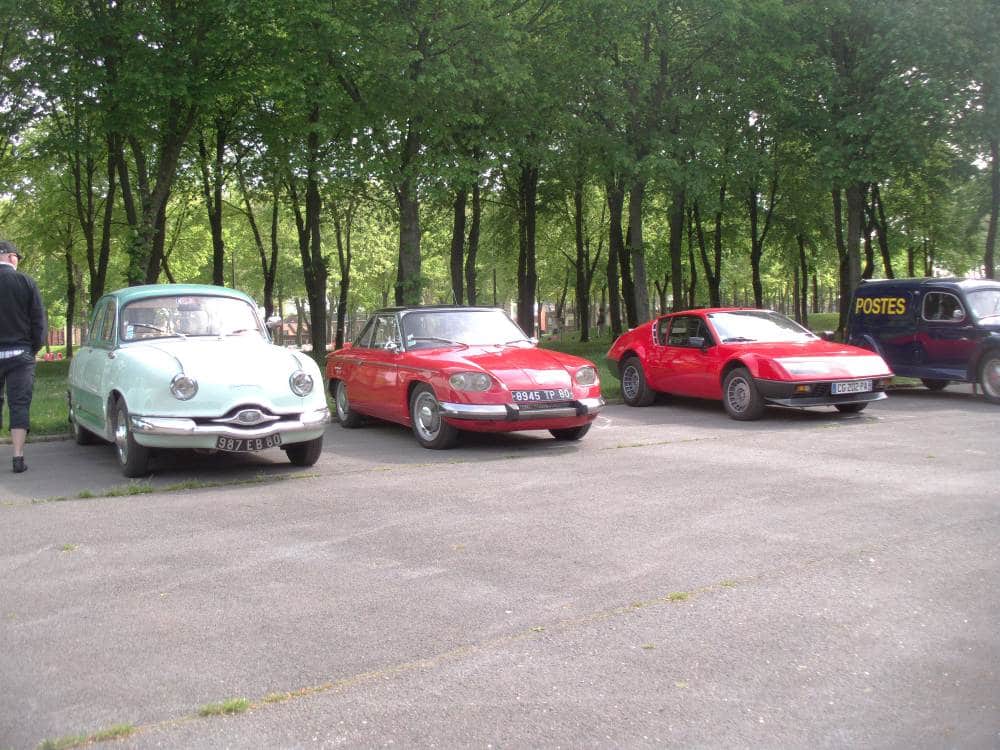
x,y
853,386
543,394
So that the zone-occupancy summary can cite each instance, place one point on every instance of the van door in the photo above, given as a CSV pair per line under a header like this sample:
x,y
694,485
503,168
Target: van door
x,y
946,337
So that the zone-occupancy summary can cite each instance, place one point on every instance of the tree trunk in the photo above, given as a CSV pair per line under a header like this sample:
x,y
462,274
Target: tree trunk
x,y
458,246
211,185
882,231
70,297
804,269
843,266
692,266
615,192
637,254
677,202
989,258
527,274
408,288
473,248
713,268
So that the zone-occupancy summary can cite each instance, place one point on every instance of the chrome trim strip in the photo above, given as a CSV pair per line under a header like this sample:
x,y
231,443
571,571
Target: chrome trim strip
x,y
179,426
510,412
853,398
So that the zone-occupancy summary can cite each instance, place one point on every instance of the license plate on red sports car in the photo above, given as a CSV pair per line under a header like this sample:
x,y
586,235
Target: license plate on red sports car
x,y
853,386
543,394
246,445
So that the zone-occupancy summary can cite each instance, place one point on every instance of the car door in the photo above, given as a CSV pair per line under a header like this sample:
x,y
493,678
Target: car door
x,y
947,336
375,381
684,362
88,386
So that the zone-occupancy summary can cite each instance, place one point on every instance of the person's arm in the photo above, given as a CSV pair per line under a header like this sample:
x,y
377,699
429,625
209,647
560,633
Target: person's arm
x,y
39,325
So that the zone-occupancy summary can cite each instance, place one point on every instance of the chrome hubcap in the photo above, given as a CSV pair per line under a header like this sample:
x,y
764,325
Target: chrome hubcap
x,y
738,394
342,403
427,416
991,378
630,383
121,437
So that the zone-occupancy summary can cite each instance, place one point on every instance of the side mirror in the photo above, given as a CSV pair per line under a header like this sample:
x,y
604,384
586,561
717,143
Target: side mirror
x,y
392,346
274,322
828,335
347,345
533,340
958,315
697,341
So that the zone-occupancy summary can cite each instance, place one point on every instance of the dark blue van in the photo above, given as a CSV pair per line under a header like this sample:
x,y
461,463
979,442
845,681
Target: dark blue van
x,y
937,330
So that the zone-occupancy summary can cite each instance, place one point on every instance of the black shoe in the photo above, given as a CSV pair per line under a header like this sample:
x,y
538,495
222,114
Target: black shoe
x,y
19,464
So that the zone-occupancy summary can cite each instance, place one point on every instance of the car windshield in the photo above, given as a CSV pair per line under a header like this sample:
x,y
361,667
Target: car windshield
x,y
425,328
196,315
757,325
985,303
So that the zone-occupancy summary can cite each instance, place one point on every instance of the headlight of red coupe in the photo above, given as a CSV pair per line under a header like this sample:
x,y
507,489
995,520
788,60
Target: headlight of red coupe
x,y
586,376
470,381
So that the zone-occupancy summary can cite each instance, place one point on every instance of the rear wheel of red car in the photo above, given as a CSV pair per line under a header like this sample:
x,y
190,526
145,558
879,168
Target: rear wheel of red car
x,y
989,377
429,426
305,453
934,385
851,408
345,414
570,433
635,390
132,457
740,395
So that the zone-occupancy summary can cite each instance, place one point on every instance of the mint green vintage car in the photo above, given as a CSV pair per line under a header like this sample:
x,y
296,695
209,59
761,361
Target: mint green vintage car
x,y
191,366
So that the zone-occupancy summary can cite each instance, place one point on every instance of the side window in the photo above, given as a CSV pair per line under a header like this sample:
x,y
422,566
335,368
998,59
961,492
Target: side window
x,y
365,339
943,306
661,331
686,327
386,332
104,316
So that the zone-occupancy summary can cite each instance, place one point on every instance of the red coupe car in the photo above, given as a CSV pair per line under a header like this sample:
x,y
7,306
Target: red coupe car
x,y
748,358
440,370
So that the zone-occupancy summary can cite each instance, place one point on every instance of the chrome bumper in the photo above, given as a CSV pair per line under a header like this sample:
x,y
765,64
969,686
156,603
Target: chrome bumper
x,y
188,427
853,398
512,413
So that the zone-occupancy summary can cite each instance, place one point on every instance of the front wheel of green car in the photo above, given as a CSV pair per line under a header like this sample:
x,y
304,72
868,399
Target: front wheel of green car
x,y
305,453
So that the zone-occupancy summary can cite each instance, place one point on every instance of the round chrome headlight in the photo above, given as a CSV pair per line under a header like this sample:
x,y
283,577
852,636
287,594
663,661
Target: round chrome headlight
x,y
470,381
183,387
301,383
586,376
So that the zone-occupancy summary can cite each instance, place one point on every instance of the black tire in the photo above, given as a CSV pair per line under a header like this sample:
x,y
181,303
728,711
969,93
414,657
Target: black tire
x,y
305,453
635,390
989,376
132,457
934,385
81,435
740,395
851,408
429,427
345,414
570,433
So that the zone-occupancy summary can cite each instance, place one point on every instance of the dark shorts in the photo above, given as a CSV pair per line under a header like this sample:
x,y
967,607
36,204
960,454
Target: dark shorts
x,y
17,381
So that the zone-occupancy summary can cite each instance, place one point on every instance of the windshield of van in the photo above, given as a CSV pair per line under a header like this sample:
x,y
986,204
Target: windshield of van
x,y
757,325
985,303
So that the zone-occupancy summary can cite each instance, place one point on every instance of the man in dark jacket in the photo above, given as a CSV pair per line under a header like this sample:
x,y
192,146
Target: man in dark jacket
x,y
22,334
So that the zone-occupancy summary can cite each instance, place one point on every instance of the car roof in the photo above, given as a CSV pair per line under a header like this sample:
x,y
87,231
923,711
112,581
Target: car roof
x,y
711,310
946,282
144,291
434,308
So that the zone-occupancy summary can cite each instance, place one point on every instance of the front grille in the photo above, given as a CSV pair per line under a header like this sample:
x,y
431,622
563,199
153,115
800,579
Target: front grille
x,y
270,419
543,405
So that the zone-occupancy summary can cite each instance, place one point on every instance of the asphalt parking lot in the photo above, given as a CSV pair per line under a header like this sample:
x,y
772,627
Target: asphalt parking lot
x,y
676,578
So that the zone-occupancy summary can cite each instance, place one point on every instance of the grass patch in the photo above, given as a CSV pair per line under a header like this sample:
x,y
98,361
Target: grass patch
x,y
226,708
48,414
678,596
117,732
594,350
277,697
68,547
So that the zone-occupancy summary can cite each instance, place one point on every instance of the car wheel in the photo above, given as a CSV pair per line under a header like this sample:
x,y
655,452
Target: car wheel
x,y
132,457
345,414
934,385
305,453
571,433
81,435
635,390
740,395
851,408
989,377
429,426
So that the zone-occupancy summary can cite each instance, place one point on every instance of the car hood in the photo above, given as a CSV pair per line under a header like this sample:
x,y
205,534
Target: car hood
x,y
233,360
817,358
519,367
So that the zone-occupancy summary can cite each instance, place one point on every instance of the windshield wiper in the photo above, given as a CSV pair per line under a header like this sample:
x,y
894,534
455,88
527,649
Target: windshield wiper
x,y
436,338
736,339
516,341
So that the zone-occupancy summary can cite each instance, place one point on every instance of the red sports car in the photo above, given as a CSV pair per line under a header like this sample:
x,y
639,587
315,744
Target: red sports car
x,y
748,358
440,370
